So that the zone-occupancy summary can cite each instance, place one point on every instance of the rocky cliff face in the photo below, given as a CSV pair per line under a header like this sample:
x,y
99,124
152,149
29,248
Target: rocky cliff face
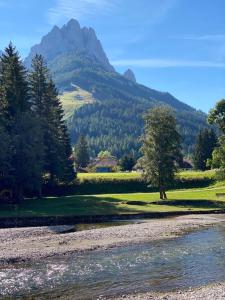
x,y
129,74
70,38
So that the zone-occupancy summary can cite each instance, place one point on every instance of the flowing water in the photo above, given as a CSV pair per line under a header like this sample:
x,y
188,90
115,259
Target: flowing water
x,y
194,259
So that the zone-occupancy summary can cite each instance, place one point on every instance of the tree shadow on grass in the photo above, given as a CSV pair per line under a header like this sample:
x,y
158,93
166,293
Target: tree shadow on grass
x,y
67,206
198,203
94,205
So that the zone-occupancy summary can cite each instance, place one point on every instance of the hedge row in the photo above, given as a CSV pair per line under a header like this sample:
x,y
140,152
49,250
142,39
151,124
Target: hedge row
x,y
109,186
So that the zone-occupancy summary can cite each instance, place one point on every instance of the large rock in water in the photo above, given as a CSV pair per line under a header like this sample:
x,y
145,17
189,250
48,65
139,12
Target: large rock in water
x,y
70,38
129,74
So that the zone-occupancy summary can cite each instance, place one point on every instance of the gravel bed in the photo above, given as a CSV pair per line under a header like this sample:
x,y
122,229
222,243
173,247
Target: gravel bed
x,y
27,244
210,292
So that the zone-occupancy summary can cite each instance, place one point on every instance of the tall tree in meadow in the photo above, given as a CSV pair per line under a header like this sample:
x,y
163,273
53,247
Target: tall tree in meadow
x,y
217,116
161,148
19,126
46,104
81,153
205,144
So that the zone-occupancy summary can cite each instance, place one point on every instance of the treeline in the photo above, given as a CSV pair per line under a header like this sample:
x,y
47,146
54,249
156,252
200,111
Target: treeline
x,y
116,125
35,146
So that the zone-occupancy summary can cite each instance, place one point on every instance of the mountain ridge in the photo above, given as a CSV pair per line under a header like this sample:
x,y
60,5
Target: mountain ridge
x,y
71,37
129,74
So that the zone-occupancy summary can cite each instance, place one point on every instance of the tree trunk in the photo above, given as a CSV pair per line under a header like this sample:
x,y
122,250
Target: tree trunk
x,y
162,193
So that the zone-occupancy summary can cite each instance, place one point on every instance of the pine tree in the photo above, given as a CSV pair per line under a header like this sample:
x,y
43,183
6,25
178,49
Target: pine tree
x,y
14,83
205,144
81,153
127,162
19,127
56,143
62,153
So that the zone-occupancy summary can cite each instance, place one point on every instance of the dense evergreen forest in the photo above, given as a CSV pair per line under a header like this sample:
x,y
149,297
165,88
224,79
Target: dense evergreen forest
x,y
35,146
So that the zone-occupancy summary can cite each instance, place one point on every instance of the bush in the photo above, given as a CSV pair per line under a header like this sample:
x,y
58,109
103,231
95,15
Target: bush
x,y
91,186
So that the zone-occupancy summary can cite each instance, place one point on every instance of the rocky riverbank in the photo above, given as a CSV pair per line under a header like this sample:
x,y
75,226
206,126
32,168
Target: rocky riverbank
x,y
210,292
28,244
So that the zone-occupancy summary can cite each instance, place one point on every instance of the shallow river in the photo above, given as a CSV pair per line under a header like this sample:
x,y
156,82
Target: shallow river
x,y
194,259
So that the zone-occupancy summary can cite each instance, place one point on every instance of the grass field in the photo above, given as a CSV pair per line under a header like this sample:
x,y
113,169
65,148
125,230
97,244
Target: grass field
x,y
71,101
119,176
183,200
135,175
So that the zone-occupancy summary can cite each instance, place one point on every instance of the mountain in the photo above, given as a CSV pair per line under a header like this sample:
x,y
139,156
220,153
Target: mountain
x,y
99,102
129,74
70,38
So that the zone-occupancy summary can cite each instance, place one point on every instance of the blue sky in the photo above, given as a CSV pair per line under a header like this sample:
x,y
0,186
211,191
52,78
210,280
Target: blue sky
x,y
171,45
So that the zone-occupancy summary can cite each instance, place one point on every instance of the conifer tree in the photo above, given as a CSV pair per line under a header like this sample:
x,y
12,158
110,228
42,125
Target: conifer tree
x,y
127,162
19,127
205,144
56,143
81,153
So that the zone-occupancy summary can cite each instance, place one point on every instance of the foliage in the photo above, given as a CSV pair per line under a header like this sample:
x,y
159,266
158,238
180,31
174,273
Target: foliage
x,y
205,144
81,153
33,135
161,148
127,163
18,127
217,116
46,104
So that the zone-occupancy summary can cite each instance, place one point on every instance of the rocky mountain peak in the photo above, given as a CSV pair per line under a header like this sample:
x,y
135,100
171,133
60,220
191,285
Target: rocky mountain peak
x,y
70,38
129,74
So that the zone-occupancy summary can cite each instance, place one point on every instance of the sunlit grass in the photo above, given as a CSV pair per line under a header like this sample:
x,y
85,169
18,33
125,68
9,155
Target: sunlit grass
x,y
182,200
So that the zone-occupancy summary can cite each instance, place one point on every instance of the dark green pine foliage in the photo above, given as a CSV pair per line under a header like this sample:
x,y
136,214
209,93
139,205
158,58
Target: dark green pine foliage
x,y
205,144
46,104
19,129
62,164
5,142
81,153
127,162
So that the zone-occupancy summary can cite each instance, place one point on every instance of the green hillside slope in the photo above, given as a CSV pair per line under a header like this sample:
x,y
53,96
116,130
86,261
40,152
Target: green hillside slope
x,y
115,121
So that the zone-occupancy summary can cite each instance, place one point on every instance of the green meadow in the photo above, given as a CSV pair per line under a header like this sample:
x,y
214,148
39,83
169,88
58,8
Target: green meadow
x,y
195,199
